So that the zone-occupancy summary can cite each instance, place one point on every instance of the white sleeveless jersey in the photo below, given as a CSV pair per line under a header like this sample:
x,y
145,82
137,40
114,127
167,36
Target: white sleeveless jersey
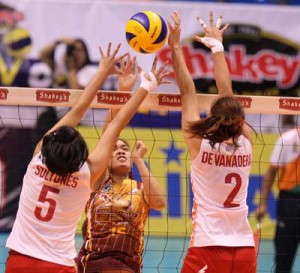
x,y
220,179
49,210
286,157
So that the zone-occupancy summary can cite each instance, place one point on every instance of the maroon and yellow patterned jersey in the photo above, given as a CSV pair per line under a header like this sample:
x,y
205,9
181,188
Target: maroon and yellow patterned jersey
x,y
116,216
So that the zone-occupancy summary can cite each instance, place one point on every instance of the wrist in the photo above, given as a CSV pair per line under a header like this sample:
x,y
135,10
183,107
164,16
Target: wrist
x,y
217,46
124,88
214,44
263,201
146,84
103,72
99,77
138,161
175,47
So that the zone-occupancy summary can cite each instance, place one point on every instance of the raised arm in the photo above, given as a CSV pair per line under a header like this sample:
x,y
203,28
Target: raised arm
x,y
47,53
100,157
127,76
106,67
153,193
213,39
185,83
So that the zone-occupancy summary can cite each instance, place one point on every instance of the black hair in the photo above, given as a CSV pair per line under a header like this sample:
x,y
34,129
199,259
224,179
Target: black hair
x,y
45,122
85,48
64,151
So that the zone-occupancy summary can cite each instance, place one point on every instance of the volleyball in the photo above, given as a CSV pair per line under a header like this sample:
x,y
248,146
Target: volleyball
x,y
146,32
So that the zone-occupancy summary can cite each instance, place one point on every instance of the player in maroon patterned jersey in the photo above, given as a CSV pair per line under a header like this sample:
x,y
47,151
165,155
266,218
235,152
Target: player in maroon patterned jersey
x,y
118,208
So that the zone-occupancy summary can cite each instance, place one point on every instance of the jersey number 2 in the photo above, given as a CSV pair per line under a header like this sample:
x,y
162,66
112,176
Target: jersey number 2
x,y
228,180
52,204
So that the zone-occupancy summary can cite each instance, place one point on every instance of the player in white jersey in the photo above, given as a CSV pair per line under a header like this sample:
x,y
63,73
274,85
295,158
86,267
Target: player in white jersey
x,y
284,171
220,152
59,178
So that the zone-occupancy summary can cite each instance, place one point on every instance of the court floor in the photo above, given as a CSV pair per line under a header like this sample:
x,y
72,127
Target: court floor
x,y
164,255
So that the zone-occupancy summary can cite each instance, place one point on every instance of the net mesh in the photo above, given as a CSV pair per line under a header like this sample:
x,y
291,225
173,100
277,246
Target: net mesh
x,y
25,114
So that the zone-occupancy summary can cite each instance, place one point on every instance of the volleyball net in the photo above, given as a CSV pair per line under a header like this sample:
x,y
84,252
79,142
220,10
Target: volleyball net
x,y
25,112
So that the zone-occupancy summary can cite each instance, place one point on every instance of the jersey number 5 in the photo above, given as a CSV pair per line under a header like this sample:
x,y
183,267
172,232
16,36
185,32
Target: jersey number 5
x,y
52,204
228,180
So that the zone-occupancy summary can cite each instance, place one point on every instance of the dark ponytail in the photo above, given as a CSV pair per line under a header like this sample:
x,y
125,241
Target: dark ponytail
x,y
225,122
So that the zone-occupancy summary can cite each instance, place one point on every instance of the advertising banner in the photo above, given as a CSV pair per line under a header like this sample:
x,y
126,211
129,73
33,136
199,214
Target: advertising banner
x,y
261,47
261,43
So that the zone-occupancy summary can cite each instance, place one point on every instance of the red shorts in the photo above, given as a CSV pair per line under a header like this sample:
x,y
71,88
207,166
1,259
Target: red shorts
x,y
17,262
216,259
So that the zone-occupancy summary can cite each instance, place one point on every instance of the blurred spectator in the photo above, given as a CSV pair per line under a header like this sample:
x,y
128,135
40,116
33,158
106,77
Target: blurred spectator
x,y
16,145
72,68
70,62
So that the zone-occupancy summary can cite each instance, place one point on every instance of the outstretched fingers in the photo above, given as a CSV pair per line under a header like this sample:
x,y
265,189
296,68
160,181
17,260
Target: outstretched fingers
x,y
121,57
101,52
202,23
133,62
174,29
176,18
108,49
162,68
224,28
219,21
211,19
211,22
154,64
130,64
139,69
161,73
115,52
164,75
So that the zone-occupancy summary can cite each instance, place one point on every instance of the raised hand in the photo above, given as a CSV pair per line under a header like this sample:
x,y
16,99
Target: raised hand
x,y
174,30
160,73
140,150
109,60
127,73
156,77
212,30
213,34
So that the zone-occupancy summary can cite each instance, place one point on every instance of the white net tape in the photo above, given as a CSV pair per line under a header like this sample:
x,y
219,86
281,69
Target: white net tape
x,y
154,101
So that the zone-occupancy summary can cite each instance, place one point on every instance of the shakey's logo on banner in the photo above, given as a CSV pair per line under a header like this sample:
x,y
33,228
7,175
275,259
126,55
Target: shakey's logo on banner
x,y
260,63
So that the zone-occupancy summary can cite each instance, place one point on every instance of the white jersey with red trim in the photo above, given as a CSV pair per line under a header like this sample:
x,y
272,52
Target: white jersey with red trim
x,y
220,178
49,210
